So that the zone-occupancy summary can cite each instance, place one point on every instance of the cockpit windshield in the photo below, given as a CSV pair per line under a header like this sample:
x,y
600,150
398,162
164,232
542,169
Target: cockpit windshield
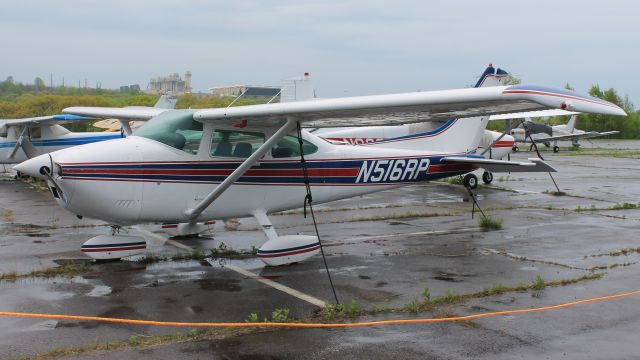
x,y
174,128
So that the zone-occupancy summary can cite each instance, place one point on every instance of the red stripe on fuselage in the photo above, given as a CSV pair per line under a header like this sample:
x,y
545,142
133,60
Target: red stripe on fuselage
x,y
341,172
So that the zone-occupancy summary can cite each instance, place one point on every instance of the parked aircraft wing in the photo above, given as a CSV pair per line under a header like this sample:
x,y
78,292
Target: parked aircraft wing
x,y
406,108
53,119
534,164
569,137
127,113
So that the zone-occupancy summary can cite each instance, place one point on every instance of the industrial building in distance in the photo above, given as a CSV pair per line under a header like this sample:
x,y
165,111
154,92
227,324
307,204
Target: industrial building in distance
x,y
170,84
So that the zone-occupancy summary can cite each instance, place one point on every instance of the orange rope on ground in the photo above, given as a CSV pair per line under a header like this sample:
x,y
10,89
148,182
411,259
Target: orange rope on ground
x,y
315,325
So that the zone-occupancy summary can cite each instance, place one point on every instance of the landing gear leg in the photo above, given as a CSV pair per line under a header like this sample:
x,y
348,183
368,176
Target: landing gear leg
x,y
487,177
470,181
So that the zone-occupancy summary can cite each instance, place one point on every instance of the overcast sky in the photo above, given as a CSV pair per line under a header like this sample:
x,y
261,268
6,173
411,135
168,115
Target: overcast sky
x,y
350,47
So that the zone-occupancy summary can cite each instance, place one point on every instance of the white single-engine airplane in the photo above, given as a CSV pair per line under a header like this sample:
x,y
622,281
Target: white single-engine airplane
x,y
184,166
546,134
498,145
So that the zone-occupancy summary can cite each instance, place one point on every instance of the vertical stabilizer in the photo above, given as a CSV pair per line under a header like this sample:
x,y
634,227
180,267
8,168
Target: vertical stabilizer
x,y
571,125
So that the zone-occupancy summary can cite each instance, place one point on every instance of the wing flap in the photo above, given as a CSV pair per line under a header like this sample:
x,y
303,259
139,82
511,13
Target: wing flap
x,y
533,165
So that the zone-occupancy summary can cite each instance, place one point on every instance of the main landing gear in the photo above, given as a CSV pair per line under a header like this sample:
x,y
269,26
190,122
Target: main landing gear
x,y
487,177
470,181
556,149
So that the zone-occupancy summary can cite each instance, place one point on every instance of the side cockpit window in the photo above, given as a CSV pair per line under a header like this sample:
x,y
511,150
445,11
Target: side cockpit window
x,y
236,144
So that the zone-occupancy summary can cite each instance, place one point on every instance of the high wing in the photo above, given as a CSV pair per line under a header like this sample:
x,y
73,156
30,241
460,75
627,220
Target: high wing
x,y
534,164
406,108
568,137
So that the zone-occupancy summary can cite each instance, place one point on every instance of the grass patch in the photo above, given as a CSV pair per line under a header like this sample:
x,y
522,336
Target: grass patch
x,y
624,206
538,283
630,154
7,214
137,341
488,223
69,269
454,180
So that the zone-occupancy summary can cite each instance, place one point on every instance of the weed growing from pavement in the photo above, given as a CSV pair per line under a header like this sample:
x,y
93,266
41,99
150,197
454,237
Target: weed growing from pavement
x,y
7,214
69,269
488,223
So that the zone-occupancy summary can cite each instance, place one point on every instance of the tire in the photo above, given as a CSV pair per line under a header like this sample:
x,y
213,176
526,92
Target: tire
x,y
470,181
487,177
515,149
556,149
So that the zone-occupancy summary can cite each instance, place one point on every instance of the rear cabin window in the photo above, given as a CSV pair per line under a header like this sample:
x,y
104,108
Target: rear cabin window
x,y
35,133
235,144
290,147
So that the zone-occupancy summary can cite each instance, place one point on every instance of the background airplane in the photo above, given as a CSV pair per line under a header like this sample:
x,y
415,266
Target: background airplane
x,y
547,134
22,139
184,166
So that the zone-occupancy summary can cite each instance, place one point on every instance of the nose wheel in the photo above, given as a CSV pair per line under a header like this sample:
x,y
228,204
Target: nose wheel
x,y
487,177
515,148
470,181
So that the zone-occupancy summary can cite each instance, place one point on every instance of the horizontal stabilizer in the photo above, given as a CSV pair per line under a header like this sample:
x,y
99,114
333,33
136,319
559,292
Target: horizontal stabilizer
x,y
533,165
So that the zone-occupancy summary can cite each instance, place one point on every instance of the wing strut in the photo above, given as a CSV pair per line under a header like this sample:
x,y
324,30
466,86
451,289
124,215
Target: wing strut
x,y
238,172
18,143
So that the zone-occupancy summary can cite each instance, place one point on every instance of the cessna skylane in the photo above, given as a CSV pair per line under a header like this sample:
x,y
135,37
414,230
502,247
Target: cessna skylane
x,y
546,134
184,166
